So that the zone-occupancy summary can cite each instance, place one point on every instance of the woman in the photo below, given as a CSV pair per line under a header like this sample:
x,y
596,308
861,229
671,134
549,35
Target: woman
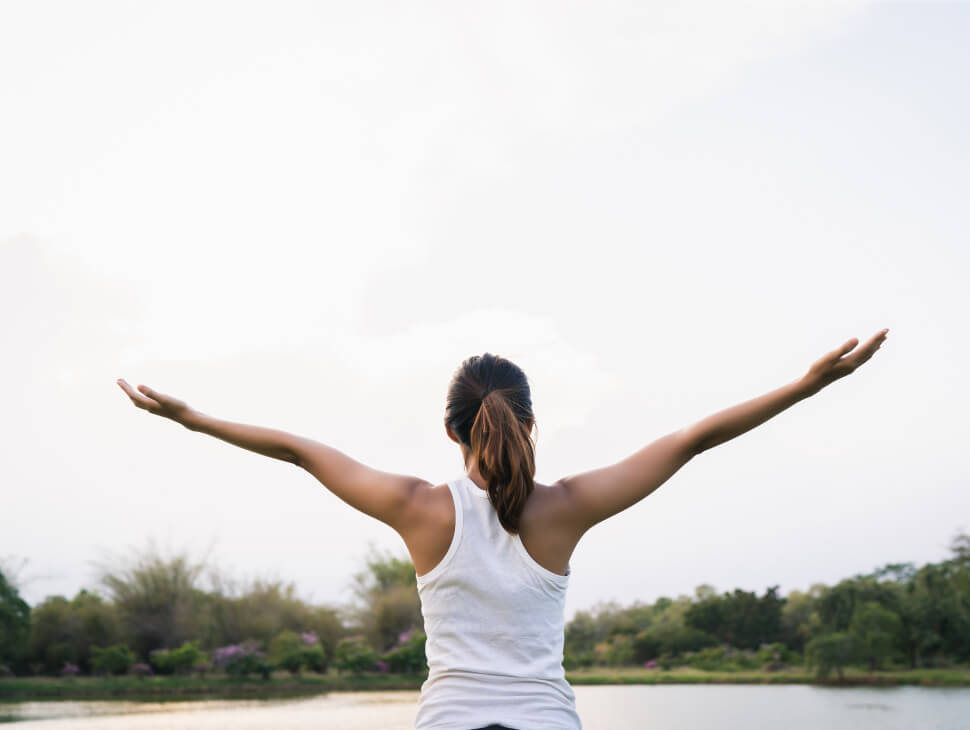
x,y
491,548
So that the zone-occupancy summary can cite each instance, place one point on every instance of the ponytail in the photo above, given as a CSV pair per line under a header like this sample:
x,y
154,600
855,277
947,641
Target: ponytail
x,y
505,457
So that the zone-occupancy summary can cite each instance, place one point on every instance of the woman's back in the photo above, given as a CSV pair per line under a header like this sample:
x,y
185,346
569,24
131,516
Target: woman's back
x,y
494,621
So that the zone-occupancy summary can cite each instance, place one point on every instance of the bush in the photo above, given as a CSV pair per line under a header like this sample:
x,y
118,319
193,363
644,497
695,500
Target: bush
x,y
241,660
112,659
830,651
571,660
408,656
618,651
176,661
773,657
354,655
710,659
141,670
294,652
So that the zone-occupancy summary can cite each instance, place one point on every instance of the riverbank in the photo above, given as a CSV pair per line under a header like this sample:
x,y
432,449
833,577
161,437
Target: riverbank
x,y
284,685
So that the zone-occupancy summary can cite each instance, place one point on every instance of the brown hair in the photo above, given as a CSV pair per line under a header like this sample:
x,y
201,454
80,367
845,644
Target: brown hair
x,y
489,408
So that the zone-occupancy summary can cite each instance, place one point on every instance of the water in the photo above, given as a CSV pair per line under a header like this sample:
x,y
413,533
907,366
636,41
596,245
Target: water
x,y
630,707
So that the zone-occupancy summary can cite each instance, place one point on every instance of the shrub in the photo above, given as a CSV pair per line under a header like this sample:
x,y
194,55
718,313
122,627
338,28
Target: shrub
x,y
354,655
176,661
241,660
70,670
773,657
408,656
709,659
575,660
112,659
294,652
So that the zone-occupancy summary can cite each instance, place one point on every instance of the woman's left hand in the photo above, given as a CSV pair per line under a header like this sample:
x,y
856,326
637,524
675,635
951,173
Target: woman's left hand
x,y
157,403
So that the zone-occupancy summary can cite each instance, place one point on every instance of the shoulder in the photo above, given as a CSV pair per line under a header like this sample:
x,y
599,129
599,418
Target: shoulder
x,y
548,505
431,505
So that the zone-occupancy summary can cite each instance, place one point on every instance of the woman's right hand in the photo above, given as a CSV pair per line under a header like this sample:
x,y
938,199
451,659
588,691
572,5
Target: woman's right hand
x,y
158,403
842,361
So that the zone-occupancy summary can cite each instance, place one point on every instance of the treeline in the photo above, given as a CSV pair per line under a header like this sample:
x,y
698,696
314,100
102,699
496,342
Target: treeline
x,y
153,616
897,617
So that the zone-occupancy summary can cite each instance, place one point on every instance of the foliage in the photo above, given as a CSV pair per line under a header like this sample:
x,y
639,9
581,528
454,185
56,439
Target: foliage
x,y
112,659
899,613
63,630
295,652
876,630
14,625
386,599
159,599
739,619
835,650
176,661
241,660
408,655
354,654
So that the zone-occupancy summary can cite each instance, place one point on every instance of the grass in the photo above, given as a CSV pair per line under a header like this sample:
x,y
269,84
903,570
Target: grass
x,y
285,685
795,675
195,687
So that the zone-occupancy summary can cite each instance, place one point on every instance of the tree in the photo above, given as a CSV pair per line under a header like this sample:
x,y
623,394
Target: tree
x,y
387,602
14,626
66,631
158,597
834,650
877,630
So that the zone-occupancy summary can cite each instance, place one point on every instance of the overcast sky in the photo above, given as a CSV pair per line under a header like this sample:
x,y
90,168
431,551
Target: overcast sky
x,y
306,215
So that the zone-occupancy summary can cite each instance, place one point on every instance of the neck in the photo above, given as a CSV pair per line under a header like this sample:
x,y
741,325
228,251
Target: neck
x,y
471,472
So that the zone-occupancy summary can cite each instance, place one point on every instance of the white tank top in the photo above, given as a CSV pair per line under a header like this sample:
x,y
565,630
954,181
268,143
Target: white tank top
x,y
494,621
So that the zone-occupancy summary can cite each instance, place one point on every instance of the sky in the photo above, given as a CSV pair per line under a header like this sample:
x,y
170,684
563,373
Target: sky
x,y
306,215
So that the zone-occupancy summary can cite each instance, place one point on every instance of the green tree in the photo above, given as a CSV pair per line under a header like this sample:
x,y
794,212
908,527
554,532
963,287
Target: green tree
x,y
835,650
386,599
66,631
14,626
877,630
159,598
112,659
355,654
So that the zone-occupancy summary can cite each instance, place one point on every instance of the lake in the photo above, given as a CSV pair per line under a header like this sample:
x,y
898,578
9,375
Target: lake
x,y
629,707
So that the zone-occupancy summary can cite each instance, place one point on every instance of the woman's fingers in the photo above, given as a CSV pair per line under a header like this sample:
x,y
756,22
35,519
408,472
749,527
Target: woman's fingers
x,y
843,360
153,394
140,400
869,349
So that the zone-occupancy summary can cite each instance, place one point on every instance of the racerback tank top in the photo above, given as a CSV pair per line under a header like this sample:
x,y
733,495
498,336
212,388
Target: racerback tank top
x,y
494,621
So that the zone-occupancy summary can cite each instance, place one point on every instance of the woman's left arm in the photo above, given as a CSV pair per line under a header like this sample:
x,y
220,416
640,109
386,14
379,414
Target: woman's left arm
x,y
394,499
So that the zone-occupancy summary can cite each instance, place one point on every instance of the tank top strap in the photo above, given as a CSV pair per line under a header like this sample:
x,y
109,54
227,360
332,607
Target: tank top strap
x,y
459,500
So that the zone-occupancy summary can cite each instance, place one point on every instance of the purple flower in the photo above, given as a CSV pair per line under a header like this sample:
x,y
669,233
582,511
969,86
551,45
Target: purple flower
x,y
141,670
70,670
405,636
381,666
226,655
309,638
651,664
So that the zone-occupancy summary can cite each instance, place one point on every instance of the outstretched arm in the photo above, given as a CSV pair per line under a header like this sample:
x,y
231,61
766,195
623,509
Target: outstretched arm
x,y
595,495
393,499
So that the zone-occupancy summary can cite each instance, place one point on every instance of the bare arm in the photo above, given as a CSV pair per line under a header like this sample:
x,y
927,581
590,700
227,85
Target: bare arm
x,y
393,499
596,495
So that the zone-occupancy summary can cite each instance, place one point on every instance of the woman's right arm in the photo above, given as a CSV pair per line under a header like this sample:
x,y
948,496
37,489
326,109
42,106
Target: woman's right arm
x,y
593,496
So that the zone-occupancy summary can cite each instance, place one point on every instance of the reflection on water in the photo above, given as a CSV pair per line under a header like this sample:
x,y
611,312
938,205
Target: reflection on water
x,y
636,707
